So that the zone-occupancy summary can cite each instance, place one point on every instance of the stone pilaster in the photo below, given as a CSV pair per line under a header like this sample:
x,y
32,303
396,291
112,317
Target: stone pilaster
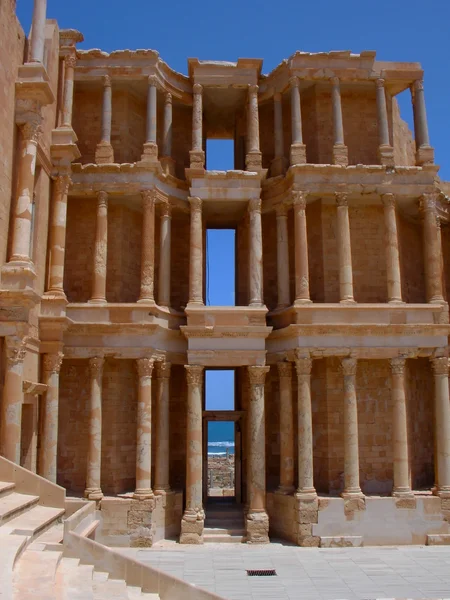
x,y
165,243
255,258
402,485
298,148
432,249
197,155
257,520
151,147
344,249
385,150
143,489
162,484
100,251
442,425
12,401
340,151
48,450
196,253
57,237
424,152
148,247
194,516
301,248
286,429
167,162
282,257
38,31
93,489
253,159
104,153
394,282
278,164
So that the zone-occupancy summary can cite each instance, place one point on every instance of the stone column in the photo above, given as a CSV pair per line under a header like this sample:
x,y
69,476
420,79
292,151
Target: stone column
x,y
100,251
340,151
301,248
167,161
148,247
197,155
150,146
196,254
165,241
57,237
344,249
48,451
253,159
394,282
442,425
93,489
38,31
282,257
255,260
431,249
424,152
257,524
402,486
162,484
298,148
194,516
11,405
385,150
286,429
69,73
303,367
144,430
104,152
351,441
278,165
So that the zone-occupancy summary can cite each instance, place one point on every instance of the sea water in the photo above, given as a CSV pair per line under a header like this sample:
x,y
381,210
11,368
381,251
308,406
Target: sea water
x,y
220,438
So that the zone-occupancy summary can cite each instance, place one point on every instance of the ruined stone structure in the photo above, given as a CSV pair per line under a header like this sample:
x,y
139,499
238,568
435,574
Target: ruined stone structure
x,y
339,339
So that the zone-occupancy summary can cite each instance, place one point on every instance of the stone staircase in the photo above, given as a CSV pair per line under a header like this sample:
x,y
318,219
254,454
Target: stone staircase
x,y
224,522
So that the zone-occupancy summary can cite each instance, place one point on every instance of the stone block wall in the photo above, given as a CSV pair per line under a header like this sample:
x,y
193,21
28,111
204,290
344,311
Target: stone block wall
x,y
411,260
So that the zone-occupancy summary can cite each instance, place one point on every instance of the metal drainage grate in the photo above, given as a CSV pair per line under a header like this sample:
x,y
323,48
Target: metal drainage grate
x,y
261,572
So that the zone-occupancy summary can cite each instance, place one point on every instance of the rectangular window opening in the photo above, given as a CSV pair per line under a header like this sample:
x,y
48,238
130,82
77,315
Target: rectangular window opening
x,y
406,109
219,155
220,267
221,464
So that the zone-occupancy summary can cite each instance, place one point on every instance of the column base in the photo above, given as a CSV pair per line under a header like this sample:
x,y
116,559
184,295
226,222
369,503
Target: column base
x,y
386,155
143,494
196,159
93,494
347,301
354,501
298,154
307,515
253,161
163,490
257,527
140,521
150,153
147,301
302,301
396,301
443,492
425,156
168,165
104,153
278,166
192,525
340,155
59,295
18,274
97,301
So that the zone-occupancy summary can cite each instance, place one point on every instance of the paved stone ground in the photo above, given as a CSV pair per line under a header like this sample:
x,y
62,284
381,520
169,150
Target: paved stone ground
x,y
306,573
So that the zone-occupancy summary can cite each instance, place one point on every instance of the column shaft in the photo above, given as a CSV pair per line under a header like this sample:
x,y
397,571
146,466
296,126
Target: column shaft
x,y
151,110
167,132
162,429
38,31
301,248
144,429
278,125
70,64
197,155
383,123
255,259
402,485
57,236
48,451
104,153
94,458
12,401
420,116
340,152
344,249
100,250
253,159
196,253
282,257
303,367
148,247
296,112
286,429
432,249
442,424
351,440
165,243
394,283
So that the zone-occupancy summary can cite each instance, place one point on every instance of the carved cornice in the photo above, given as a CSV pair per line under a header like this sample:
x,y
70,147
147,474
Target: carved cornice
x,y
194,374
144,367
96,366
257,375
348,366
52,362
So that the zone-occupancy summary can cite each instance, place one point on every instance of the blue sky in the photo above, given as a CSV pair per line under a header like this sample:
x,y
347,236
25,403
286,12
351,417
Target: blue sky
x,y
399,30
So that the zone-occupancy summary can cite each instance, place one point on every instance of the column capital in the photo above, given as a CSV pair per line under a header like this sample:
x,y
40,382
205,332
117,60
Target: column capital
x,y
348,366
284,370
144,367
195,202
15,355
257,375
148,197
299,198
294,82
281,210
428,202
166,209
102,198
253,90
163,370
418,85
31,130
194,374
153,80
335,81
197,88
341,198
168,98
254,205
398,365
62,184
106,80
380,82
388,199
440,365
70,60
52,362
96,365
303,364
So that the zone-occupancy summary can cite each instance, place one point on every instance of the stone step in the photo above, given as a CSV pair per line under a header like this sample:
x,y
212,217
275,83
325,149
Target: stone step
x,y
111,589
74,581
34,522
6,487
11,547
222,538
224,531
35,572
15,504
218,523
100,576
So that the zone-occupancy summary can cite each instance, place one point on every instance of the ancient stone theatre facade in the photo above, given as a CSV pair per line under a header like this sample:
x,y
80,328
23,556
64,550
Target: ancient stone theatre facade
x,y
339,336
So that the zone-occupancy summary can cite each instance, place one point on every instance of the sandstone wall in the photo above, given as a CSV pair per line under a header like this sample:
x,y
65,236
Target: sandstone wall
x,y
402,137
411,260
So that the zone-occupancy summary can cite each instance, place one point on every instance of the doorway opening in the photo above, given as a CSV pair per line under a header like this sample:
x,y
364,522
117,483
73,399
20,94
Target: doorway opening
x,y
219,155
220,267
221,455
